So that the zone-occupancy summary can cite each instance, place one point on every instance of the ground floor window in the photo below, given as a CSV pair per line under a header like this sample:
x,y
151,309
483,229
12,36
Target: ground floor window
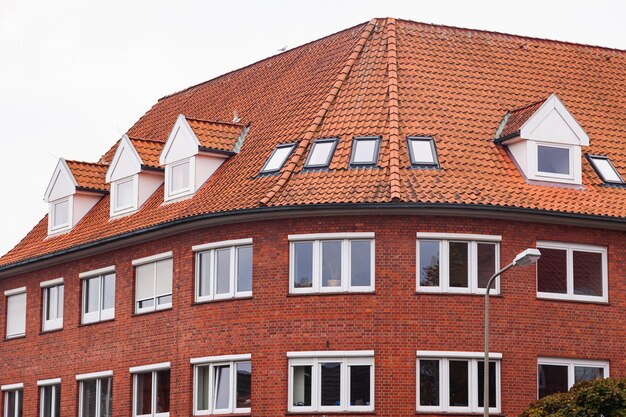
x,y
49,399
96,397
558,375
13,399
151,390
222,384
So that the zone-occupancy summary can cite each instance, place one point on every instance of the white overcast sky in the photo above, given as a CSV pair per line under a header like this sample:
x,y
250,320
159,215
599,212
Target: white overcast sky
x,y
75,75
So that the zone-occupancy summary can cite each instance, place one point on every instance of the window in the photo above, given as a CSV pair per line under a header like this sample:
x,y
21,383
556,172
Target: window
x,y
365,151
96,395
460,263
52,304
605,169
16,312
332,262
321,153
179,177
453,381
571,271
124,195
50,398
553,161
558,375
223,270
98,300
153,289
13,400
60,213
222,384
331,381
151,384
278,158
422,151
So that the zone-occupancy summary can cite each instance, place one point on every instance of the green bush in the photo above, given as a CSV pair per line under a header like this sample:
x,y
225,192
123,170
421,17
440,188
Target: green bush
x,y
598,398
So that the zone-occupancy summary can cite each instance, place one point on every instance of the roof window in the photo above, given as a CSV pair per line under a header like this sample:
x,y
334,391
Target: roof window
x,y
321,153
365,151
422,151
605,169
278,158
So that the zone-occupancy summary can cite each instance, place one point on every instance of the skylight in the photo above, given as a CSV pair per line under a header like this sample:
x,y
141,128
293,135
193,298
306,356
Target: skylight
x,y
422,151
321,153
605,169
365,151
278,158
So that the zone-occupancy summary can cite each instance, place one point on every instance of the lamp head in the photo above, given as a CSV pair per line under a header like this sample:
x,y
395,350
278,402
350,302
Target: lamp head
x,y
527,257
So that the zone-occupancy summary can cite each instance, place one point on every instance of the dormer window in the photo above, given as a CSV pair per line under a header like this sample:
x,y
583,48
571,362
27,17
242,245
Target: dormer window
x,y
124,196
179,178
321,153
60,212
605,169
422,151
554,161
365,151
278,158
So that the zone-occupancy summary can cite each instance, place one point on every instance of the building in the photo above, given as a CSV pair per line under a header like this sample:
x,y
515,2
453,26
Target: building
x,y
312,234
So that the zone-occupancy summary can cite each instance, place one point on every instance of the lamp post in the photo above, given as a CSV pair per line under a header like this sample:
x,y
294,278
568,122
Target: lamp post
x,y
527,257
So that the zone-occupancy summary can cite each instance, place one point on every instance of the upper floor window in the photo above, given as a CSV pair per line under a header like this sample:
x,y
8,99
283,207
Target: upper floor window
x,y
16,312
453,382
98,295
605,169
223,270
460,263
222,384
321,153
572,271
365,151
13,400
151,390
558,375
153,289
278,158
178,178
95,398
50,398
422,151
124,195
331,381
337,262
60,212
554,161
52,304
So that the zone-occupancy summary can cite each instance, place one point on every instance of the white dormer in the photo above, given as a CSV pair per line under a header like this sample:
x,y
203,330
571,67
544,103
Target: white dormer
x,y
68,200
131,184
545,141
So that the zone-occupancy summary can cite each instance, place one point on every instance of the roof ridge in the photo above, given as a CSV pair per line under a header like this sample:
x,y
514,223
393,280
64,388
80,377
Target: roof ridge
x,y
146,140
527,106
86,163
330,98
394,109
214,121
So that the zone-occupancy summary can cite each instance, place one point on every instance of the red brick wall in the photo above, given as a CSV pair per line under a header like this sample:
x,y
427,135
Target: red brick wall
x,y
394,322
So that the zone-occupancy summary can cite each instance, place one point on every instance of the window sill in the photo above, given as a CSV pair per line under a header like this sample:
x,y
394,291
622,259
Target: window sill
x,y
309,294
472,294
334,413
458,413
145,313
221,300
224,415
95,322
8,338
50,331
573,300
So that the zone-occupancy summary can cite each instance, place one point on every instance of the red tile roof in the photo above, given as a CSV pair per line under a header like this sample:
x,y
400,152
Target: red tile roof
x,y
216,135
149,151
89,176
393,79
515,119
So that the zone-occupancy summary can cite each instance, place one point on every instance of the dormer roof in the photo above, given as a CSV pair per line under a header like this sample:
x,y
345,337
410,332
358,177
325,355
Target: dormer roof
x,y
71,176
216,136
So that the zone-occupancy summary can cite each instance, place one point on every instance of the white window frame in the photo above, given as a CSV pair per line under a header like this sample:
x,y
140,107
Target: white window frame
x,y
444,265
171,194
212,362
98,377
18,389
444,381
101,314
291,147
47,286
10,293
56,228
570,248
317,239
571,367
211,249
56,386
150,369
119,210
153,260
551,175
315,360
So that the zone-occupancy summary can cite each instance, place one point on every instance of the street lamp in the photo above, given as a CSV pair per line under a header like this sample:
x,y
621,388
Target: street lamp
x,y
527,257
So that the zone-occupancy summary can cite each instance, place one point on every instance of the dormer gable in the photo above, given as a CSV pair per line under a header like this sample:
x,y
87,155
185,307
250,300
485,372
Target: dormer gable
x,y
545,141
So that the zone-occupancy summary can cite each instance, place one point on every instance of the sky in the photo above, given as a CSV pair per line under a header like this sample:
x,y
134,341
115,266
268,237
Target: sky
x,y
76,75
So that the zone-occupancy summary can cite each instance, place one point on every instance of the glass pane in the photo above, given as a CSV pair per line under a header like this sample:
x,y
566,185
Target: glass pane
x,y
180,177
459,264
360,385
50,294
10,403
553,160
204,274
552,271
429,382
59,301
145,281
277,159
486,264
164,277
106,397
459,383
144,393
587,373
421,152
46,403
587,273
606,169
202,387
163,391
361,263
124,194
146,303
108,296
88,389
222,271
364,151
429,263
331,263
552,378
61,213
20,402
244,268
92,294
244,385
16,314
164,300
57,401
331,383
303,264
222,387
320,153
302,385
492,383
